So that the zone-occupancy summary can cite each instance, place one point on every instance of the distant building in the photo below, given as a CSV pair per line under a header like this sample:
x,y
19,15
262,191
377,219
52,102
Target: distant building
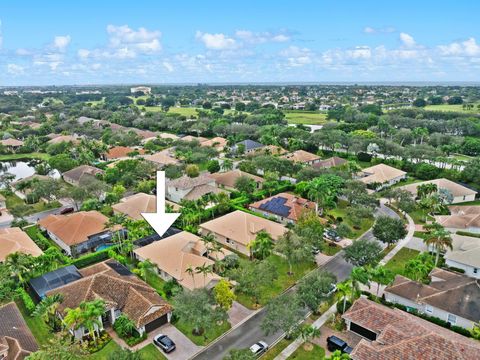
x,y
12,144
330,162
187,188
463,218
381,176
228,179
143,89
14,240
250,146
302,157
79,173
460,193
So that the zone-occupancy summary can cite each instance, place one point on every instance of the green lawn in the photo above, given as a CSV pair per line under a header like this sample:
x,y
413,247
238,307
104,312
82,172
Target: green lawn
x,y
305,117
456,108
277,349
418,216
397,263
151,352
37,236
157,283
8,157
281,283
469,203
19,208
185,111
341,211
104,353
37,326
301,354
207,337
331,249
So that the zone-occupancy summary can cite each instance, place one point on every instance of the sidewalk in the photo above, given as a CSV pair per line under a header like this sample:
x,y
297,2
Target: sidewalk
x,y
290,349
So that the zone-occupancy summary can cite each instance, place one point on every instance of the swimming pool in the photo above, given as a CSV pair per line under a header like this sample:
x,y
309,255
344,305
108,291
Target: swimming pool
x,y
103,247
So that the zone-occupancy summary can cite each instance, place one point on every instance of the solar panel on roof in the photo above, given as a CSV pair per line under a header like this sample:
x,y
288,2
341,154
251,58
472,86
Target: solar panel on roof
x,y
119,268
276,206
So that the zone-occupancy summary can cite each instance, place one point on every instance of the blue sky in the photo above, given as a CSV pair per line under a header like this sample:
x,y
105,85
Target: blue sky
x,y
103,41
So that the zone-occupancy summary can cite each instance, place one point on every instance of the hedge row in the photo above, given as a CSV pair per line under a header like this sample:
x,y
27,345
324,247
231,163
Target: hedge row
x,y
466,233
91,258
26,299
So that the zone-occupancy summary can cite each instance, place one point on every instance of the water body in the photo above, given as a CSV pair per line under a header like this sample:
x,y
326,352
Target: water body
x,y
23,168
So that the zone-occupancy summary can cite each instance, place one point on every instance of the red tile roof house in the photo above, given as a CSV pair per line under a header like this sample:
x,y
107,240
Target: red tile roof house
x,y
122,292
392,334
16,339
284,207
79,232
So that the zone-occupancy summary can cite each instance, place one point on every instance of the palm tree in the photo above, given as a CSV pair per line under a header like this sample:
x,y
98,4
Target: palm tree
x,y
439,238
207,240
204,270
19,265
261,247
145,267
91,312
47,309
73,319
358,276
344,289
112,224
190,271
381,275
308,332
227,165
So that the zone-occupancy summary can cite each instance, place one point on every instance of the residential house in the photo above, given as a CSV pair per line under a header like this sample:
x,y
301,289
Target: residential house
x,y
162,158
133,206
22,187
40,285
174,255
302,157
450,296
228,179
461,218
120,152
250,146
14,240
122,292
146,90
460,193
16,340
465,255
391,334
187,188
190,138
284,207
78,232
330,162
64,138
381,176
217,142
11,144
79,173
238,229
272,150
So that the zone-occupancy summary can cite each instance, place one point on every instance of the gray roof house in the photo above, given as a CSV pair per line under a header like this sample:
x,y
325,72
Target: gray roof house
x,y
465,255
250,146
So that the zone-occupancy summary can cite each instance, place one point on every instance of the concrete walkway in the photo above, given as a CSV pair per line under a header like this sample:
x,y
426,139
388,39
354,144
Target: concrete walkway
x,y
401,243
290,349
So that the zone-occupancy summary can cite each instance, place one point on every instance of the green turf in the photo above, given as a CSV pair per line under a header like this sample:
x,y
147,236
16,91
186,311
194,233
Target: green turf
x,y
341,211
19,208
8,157
305,117
151,352
207,337
185,111
277,349
397,263
418,216
455,108
104,353
301,354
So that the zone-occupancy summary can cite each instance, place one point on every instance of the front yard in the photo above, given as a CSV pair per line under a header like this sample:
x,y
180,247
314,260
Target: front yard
x,y
18,208
301,354
207,337
151,352
397,263
340,213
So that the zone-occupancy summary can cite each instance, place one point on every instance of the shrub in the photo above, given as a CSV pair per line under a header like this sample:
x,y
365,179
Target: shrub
x,y
90,259
340,306
466,233
26,299
171,288
363,156
37,236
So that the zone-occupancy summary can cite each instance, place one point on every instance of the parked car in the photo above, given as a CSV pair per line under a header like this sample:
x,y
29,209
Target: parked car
x,y
335,343
164,343
67,210
315,250
331,234
259,348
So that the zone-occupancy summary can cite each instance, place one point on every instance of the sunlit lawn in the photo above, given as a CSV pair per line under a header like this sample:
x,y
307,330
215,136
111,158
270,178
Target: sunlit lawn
x,y
418,216
104,354
207,337
13,201
281,283
185,111
341,211
301,354
397,263
36,155
305,117
456,108
277,349
151,352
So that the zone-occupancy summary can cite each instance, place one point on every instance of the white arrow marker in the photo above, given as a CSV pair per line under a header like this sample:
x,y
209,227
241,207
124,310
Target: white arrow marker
x,y
160,221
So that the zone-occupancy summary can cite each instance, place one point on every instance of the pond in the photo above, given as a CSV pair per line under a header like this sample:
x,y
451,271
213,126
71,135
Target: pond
x,y
23,168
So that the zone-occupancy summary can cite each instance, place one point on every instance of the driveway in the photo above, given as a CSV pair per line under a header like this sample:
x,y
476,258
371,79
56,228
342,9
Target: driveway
x,y
238,313
185,348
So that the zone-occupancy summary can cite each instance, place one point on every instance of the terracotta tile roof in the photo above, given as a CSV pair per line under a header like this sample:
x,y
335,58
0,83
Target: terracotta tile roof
x,y
243,227
330,162
405,336
272,150
453,187
11,142
162,158
75,228
123,291
133,206
15,334
301,156
296,205
189,138
14,240
198,191
380,173
64,138
76,173
176,253
455,293
464,210
118,152
458,221
217,142
228,178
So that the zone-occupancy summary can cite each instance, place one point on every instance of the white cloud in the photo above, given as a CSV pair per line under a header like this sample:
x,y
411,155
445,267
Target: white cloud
x,y
381,30
61,42
23,52
142,39
369,30
468,48
260,38
216,41
83,53
168,66
15,69
297,56
407,40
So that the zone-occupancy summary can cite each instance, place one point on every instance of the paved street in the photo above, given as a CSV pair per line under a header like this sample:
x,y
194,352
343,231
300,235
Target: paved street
x,y
249,332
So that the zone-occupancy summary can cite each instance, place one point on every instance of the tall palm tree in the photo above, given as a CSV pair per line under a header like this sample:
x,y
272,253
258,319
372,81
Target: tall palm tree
x,y
47,309
261,247
359,275
91,312
73,319
113,222
190,271
208,240
145,267
204,270
381,275
439,238
226,165
19,265
344,289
